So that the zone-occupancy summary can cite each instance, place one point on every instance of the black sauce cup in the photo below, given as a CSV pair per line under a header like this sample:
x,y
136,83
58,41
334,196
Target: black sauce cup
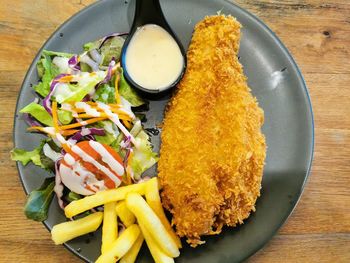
x,y
150,12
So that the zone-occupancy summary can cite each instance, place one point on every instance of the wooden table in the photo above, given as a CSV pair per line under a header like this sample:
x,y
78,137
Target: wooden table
x,y
317,34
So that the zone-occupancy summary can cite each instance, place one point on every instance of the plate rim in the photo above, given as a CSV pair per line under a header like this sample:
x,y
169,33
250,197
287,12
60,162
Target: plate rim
x,y
303,82
269,31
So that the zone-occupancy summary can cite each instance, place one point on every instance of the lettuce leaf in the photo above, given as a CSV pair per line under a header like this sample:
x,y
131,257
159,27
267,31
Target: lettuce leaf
x,y
116,145
128,93
41,70
36,156
108,138
57,54
86,83
73,196
25,157
65,117
38,202
111,134
111,48
144,158
47,70
47,163
39,113
92,45
85,67
105,93
40,88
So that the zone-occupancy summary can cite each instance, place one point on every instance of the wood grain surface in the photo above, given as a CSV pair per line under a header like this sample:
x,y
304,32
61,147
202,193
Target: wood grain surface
x,y
318,35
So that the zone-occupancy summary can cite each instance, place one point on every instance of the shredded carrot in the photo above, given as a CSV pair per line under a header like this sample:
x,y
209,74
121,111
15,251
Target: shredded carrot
x,y
78,110
121,112
127,180
131,154
42,129
87,116
66,147
115,106
78,124
66,79
128,167
126,123
69,132
121,116
54,116
112,105
88,102
37,128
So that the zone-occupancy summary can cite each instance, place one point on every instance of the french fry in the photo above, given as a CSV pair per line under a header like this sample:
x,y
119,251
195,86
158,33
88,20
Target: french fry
x,y
145,215
124,214
131,255
153,199
103,197
109,227
68,230
120,246
158,255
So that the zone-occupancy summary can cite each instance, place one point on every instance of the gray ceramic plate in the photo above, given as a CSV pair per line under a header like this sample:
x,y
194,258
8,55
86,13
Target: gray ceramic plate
x,y
274,79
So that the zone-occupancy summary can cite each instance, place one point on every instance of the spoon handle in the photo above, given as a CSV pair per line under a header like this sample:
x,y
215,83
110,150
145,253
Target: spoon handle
x,y
148,12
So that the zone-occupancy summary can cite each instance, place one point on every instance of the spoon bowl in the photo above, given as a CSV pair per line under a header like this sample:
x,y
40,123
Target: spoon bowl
x,y
149,12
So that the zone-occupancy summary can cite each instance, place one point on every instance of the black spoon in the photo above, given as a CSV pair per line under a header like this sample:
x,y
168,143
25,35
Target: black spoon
x,y
150,12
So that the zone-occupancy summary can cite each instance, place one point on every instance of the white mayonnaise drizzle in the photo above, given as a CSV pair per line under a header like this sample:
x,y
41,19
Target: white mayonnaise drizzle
x,y
85,131
49,130
67,107
77,178
87,158
54,156
69,159
88,109
107,157
83,123
115,118
61,92
59,137
108,126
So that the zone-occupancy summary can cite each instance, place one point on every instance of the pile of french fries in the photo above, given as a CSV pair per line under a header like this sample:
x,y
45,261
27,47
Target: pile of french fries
x,y
144,219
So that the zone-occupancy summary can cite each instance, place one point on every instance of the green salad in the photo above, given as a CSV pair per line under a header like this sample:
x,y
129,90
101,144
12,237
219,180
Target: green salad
x,y
93,123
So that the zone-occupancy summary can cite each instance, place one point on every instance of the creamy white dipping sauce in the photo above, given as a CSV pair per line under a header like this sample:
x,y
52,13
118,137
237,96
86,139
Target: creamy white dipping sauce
x,y
153,59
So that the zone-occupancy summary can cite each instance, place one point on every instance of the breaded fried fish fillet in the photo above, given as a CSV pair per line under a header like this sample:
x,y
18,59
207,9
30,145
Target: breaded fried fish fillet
x,y
212,152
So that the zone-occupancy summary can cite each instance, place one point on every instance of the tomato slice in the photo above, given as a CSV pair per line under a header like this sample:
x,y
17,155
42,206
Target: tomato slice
x,y
85,146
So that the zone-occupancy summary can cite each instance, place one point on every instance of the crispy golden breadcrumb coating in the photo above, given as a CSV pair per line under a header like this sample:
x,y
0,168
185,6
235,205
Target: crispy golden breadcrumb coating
x,y
212,153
